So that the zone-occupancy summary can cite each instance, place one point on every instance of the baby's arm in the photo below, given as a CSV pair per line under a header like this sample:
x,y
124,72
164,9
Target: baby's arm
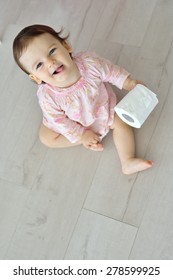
x,y
114,74
130,83
56,120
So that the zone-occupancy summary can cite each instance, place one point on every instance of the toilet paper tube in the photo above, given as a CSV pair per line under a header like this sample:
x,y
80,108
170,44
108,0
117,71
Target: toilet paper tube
x,y
136,106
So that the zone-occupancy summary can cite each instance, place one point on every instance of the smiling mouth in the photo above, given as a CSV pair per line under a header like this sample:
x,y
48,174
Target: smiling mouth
x,y
58,70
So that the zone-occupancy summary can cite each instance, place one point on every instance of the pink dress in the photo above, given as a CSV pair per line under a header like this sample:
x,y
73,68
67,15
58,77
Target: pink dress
x,y
88,104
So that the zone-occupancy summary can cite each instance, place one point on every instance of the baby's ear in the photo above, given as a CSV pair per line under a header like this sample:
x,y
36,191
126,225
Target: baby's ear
x,y
67,46
35,79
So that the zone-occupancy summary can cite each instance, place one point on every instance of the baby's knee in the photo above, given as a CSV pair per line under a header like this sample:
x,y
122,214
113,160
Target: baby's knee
x,y
45,141
47,136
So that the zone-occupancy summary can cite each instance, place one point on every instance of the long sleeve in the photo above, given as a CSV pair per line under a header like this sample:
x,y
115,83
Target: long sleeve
x,y
106,70
55,118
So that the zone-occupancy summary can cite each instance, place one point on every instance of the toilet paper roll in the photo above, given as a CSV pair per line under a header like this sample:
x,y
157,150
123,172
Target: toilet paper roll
x,y
136,106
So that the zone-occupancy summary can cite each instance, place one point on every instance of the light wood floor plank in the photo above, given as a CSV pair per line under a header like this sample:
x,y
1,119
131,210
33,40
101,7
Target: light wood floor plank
x,y
100,238
12,202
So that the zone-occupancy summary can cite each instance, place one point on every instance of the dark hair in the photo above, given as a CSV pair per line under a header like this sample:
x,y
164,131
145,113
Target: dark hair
x,y
26,35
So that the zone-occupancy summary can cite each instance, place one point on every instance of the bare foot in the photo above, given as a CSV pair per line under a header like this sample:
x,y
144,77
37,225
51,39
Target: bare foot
x,y
97,147
134,165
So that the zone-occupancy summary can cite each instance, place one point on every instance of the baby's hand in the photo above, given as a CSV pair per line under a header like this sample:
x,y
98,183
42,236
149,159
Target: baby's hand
x,y
91,140
130,83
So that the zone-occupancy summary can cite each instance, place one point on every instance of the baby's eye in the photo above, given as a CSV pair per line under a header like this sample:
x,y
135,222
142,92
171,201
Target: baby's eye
x,y
39,65
52,51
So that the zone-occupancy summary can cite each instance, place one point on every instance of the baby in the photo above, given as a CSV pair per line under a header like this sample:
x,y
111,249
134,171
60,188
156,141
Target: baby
x,y
75,96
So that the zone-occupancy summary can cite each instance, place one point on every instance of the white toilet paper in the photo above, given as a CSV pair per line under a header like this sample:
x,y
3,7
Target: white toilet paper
x,y
136,106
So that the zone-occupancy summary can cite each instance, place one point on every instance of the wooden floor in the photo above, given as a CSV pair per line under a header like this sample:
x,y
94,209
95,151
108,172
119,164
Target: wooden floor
x,y
74,203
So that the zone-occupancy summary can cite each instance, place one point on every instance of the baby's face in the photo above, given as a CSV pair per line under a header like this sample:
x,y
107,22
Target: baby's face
x,y
48,60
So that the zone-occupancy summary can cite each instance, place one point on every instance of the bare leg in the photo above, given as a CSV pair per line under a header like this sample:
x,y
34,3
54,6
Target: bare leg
x,y
125,144
52,139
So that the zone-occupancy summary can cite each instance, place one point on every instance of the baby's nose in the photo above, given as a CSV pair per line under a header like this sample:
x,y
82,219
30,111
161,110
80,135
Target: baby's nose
x,y
50,63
